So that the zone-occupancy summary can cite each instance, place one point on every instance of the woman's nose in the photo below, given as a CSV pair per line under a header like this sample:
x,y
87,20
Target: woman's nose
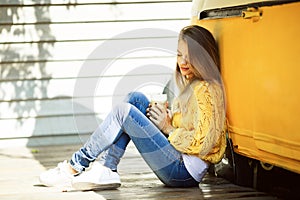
x,y
184,60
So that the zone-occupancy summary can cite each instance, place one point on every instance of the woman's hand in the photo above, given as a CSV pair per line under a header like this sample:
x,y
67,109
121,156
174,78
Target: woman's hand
x,y
161,117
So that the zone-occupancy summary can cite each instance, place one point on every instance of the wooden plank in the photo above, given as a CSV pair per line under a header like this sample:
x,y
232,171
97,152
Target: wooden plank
x,y
83,50
90,87
54,107
67,106
81,2
63,14
138,181
49,126
72,69
80,31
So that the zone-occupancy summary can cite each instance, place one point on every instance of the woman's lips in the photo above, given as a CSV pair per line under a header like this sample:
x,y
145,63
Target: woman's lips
x,y
184,69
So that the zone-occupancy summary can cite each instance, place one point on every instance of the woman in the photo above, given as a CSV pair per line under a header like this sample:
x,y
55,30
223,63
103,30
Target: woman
x,y
178,145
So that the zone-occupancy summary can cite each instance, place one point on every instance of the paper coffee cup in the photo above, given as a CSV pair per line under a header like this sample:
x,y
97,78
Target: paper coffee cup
x,y
158,98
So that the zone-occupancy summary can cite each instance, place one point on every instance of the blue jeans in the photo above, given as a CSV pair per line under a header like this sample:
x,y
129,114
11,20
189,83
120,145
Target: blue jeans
x,y
126,122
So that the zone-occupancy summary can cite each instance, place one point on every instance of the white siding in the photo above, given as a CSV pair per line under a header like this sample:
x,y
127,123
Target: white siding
x,y
65,63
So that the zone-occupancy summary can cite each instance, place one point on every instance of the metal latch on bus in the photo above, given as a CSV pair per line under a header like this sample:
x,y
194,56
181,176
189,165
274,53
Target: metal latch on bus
x,y
252,13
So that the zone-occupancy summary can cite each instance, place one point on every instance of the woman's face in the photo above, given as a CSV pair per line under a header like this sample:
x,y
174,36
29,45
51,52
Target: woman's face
x,y
182,60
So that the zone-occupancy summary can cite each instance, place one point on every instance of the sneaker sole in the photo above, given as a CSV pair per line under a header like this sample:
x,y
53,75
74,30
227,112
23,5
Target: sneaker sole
x,y
85,186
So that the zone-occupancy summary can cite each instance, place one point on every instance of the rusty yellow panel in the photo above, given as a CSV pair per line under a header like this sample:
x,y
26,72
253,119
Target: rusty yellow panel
x,y
260,57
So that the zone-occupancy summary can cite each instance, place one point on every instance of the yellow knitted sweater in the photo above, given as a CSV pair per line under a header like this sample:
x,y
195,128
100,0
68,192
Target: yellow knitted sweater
x,y
201,129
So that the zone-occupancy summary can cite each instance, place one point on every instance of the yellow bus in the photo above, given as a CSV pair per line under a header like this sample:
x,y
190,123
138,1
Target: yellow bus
x,y
259,44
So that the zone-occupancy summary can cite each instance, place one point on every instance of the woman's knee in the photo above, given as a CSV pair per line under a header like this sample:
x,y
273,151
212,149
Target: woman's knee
x,y
121,110
139,100
133,96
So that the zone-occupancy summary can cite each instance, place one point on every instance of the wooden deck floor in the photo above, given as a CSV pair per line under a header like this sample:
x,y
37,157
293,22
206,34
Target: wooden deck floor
x,y
20,168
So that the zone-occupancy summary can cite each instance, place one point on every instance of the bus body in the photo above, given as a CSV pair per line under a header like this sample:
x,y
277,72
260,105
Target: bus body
x,y
259,44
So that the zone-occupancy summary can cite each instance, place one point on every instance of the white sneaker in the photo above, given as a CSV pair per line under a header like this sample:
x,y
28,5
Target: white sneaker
x,y
96,177
58,177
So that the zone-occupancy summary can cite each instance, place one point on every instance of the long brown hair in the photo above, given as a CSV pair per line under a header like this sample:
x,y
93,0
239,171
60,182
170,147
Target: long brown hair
x,y
204,62
202,55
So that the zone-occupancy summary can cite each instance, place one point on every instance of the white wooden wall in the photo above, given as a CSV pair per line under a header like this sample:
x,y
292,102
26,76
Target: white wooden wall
x,y
64,63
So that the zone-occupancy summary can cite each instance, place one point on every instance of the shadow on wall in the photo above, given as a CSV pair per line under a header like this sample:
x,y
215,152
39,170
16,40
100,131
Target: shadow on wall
x,y
19,69
26,46
66,128
49,156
